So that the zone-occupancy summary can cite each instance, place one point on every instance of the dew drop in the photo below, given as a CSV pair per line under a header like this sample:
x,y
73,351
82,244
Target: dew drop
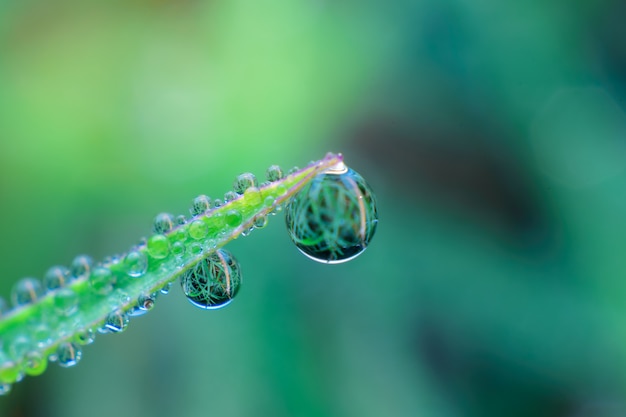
x,y
260,222
230,196
158,246
233,218
198,229
135,263
213,282
65,301
253,196
181,219
116,322
68,354
274,173
19,347
9,371
293,170
35,364
81,267
56,277
201,204
217,203
163,223
245,181
178,249
102,280
281,189
334,217
26,291
85,337
166,288
269,201
146,302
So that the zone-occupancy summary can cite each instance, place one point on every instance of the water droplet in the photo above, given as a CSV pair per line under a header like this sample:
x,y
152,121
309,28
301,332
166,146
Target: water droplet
x,y
334,217
42,334
201,204
269,201
281,189
116,322
166,288
247,231
217,203
19,347
5,388
163,223
102,280
68,354
85,337
260,222
213,282
25,291
244,181
253,196
9,371
230,196
81,266
178,249
135,263
274,173
56,277
293,170
65,301
158,246
35,364
146,302
198,229
233,218
181,219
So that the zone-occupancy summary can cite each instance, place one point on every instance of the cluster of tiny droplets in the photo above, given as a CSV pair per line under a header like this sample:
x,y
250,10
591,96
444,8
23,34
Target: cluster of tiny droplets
x,y
211,284
333,218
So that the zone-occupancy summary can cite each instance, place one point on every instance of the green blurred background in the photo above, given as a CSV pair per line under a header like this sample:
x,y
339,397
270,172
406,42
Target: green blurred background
x,y
494,135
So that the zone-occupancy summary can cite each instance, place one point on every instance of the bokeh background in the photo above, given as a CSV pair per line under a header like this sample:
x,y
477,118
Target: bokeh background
x,y
494,134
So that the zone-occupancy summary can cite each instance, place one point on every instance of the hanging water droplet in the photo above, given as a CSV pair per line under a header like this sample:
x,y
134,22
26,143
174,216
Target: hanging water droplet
x,y
247,231
274,173
56,277
65,301
230,196
163,223
233,218
85,337
146,302
260,222
81,267
201,204
116,322
135,263
25,291
213,282
102,280
166,288
68,354
198,229
334,217
245,181
158,246
34,363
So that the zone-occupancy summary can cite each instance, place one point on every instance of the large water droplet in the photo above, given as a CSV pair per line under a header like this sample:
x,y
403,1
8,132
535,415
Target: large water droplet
x,y
136,263
68,354
213,282
25,291
274,173
56,277
245,181
81,266
233,218
253,195
116,322
334,217
158,246
200,205
163,223
102,280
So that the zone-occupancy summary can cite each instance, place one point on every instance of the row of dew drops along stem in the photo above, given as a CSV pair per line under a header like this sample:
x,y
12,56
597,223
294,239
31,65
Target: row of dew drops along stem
x,y
331,220
211,284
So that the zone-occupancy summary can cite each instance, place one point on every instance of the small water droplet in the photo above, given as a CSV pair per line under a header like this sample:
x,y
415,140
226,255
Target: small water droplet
x,y
201,204
233,218
213,282
68,354
269,201
135,263
198,229
178,249
146,302
102,280
42,334
166,288
85,337
34,363
181,219
158,246
260,222
230,196
247,231
56,277
19,347
274,173
25,291
293,170
245,181
116,322
253,196
81,267
163,223
334,217
65,301
281,189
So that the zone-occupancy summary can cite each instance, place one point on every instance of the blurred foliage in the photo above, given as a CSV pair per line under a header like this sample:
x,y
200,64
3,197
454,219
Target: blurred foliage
x,y
494,135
